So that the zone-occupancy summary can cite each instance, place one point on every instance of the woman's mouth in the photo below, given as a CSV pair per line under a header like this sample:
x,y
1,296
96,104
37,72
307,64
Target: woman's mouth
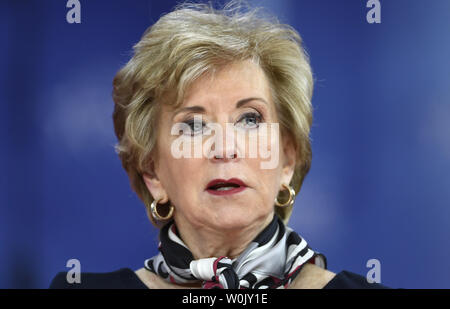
x,y
225,187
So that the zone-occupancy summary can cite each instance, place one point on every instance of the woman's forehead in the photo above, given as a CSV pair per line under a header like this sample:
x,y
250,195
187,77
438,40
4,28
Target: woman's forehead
x,y
231,83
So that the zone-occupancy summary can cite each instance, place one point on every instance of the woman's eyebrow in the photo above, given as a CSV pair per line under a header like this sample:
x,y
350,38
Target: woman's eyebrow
x,y
201,109
192,109
245,101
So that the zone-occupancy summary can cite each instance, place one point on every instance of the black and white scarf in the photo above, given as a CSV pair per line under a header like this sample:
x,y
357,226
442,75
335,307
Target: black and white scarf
x,y
272,260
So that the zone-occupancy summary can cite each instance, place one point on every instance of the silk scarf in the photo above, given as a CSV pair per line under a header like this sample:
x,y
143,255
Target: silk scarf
x,y
272,260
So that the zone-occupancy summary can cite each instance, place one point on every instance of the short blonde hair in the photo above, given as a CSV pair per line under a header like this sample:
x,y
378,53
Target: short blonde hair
x,y
195,39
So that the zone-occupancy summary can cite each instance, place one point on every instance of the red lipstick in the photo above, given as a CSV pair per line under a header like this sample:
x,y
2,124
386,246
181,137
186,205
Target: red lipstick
x,y
225,187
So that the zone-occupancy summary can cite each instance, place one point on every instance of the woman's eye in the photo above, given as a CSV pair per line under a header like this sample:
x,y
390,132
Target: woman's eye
x,y
195,127
249,120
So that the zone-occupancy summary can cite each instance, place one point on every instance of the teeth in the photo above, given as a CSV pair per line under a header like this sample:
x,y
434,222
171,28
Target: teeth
x,y
224,188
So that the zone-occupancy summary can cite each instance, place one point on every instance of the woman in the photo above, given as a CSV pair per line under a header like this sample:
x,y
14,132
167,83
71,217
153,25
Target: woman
x,y
193,112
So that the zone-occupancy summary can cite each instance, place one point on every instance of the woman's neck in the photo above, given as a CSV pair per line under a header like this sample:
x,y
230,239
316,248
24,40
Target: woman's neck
x,y
205,242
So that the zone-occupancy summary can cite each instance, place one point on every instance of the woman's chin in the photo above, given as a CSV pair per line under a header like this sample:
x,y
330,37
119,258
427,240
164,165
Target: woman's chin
x,y
237,219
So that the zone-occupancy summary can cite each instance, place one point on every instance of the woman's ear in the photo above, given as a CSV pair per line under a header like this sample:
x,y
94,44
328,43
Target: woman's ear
x,y
289,156
154,185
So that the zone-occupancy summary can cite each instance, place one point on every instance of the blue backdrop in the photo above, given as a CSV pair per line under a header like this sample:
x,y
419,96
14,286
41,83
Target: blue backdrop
x,y
379,182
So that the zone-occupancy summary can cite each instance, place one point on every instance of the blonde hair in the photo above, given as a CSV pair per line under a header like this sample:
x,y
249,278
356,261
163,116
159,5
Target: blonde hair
x,y
195,39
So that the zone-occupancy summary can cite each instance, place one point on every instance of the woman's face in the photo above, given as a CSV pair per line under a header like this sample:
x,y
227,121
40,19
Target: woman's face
x,y
239,95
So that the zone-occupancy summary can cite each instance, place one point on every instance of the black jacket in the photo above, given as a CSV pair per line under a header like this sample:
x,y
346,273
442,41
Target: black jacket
x,y
126,278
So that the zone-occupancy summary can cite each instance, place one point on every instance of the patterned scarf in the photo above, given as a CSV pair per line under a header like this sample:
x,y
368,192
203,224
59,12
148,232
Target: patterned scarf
x,y
272,260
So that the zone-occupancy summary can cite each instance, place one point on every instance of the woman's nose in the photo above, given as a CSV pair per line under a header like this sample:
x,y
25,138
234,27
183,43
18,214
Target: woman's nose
x,y
225,147
224,158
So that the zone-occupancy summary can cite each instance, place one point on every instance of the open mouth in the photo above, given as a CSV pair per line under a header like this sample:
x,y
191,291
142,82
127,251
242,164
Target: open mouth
x,y
223,187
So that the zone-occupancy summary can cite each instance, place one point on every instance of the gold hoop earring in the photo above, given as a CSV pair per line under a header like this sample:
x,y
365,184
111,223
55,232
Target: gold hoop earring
x,y
155,213
290,201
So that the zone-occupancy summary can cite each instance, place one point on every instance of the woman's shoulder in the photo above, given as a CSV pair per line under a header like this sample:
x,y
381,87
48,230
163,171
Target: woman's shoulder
x,y
312,277
124,278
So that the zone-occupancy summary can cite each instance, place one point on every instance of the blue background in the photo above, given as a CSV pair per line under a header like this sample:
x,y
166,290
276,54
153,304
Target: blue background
x,y
379,182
